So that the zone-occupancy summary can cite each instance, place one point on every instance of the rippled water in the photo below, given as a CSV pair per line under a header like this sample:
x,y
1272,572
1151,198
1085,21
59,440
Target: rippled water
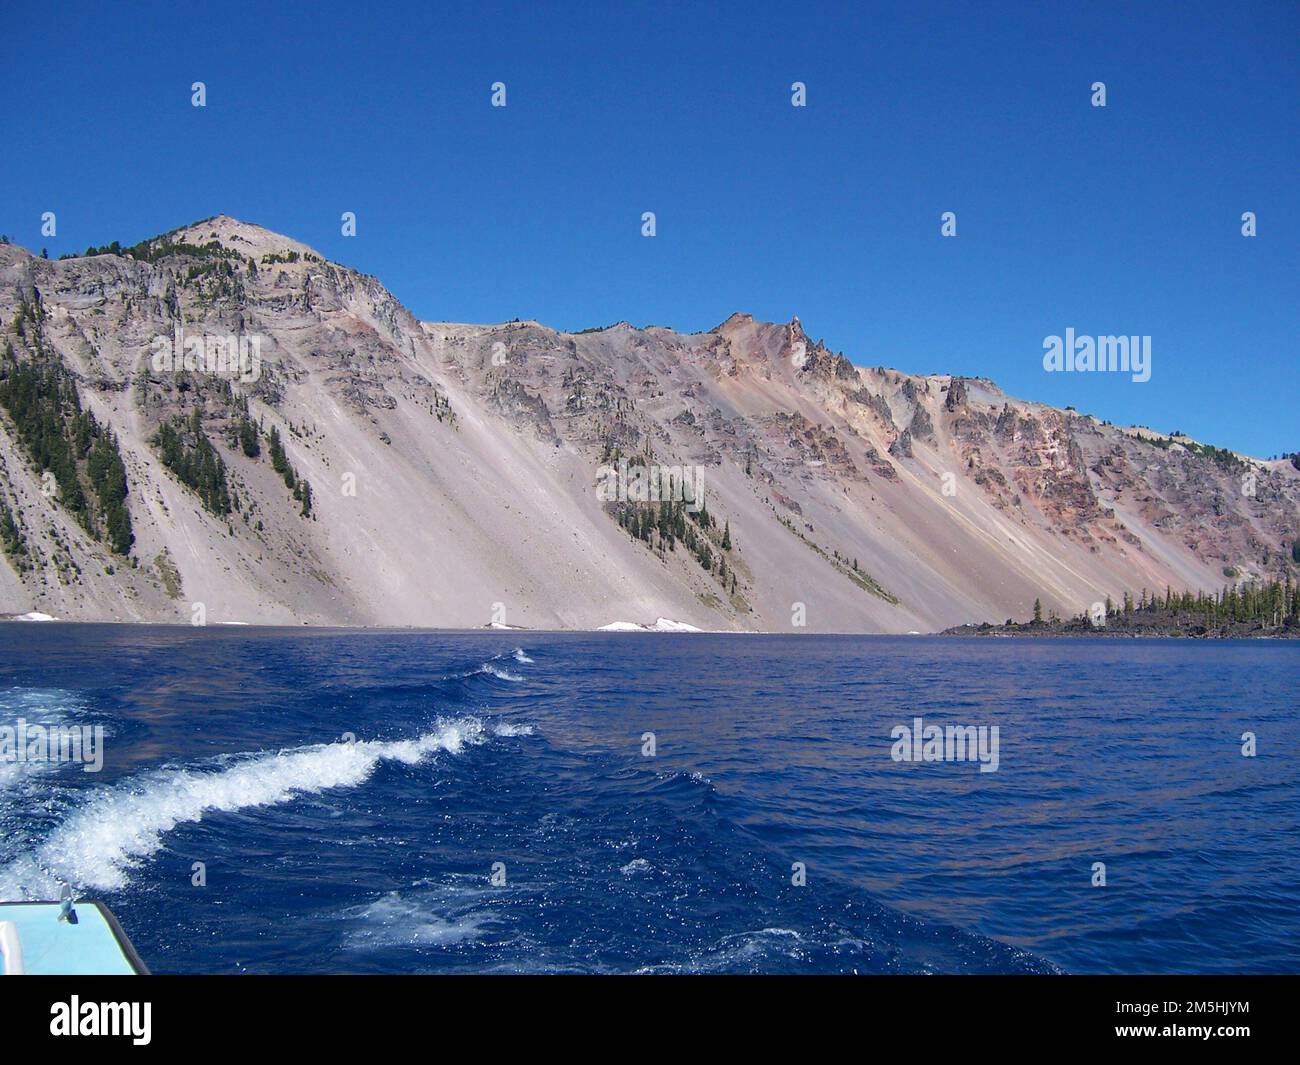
x,y
420,802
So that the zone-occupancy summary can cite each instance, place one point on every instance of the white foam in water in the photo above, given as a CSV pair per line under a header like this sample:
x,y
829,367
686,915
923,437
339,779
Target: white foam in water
x,y
37,706
45,706
520,657
741,948
394,921
500,674
122,824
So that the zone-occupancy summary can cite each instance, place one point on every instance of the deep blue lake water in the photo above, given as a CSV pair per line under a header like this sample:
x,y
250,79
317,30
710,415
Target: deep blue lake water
x,y
497,811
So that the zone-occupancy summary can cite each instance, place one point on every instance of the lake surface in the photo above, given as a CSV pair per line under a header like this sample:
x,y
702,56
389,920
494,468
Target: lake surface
x,y
441,802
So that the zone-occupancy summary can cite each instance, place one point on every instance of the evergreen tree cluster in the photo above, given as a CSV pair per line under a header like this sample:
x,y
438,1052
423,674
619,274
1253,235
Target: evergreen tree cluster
x,y
221,275
281,464
186,451
40,395
1253,608
1274,603
11,537
1220,455
662,526
154,249
247,435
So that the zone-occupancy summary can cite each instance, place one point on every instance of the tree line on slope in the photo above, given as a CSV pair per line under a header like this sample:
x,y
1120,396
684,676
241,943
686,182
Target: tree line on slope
x,y
661,526
40,395
186,450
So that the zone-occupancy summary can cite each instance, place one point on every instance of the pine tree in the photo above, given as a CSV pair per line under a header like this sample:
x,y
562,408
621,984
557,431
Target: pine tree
x,y
248,437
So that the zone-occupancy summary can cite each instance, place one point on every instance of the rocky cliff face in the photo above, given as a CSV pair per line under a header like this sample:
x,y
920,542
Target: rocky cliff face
x,y
458,474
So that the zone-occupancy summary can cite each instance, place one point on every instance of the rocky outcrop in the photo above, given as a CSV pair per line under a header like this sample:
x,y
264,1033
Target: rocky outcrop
x,y
957,395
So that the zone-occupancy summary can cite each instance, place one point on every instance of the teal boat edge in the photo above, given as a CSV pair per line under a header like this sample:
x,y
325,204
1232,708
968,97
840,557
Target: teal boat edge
x,y
58,939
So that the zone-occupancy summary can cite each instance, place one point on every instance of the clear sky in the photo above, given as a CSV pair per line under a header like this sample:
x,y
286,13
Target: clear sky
x,y
1117,220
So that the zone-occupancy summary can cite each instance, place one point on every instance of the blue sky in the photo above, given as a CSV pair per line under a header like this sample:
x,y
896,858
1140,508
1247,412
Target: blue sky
x,y
1115,220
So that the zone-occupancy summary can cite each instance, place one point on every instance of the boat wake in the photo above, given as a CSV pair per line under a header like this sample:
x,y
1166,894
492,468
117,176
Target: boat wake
x,y
122,824
500,674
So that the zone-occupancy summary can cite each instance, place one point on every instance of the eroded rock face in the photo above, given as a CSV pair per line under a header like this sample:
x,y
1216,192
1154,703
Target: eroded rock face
x,y
957,395
453,467
876,403
902,446
920,426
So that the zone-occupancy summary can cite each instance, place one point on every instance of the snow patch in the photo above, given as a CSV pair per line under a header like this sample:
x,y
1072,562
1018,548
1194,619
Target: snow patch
x,y
660,625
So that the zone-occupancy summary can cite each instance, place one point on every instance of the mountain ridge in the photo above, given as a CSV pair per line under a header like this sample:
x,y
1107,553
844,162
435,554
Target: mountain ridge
x,y
473,452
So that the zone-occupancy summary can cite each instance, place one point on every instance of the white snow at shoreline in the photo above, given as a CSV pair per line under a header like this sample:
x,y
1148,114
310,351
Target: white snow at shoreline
x,y
660,625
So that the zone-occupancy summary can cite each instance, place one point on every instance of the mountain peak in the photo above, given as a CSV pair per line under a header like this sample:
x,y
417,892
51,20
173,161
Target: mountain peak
x,y
247,238
738,318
